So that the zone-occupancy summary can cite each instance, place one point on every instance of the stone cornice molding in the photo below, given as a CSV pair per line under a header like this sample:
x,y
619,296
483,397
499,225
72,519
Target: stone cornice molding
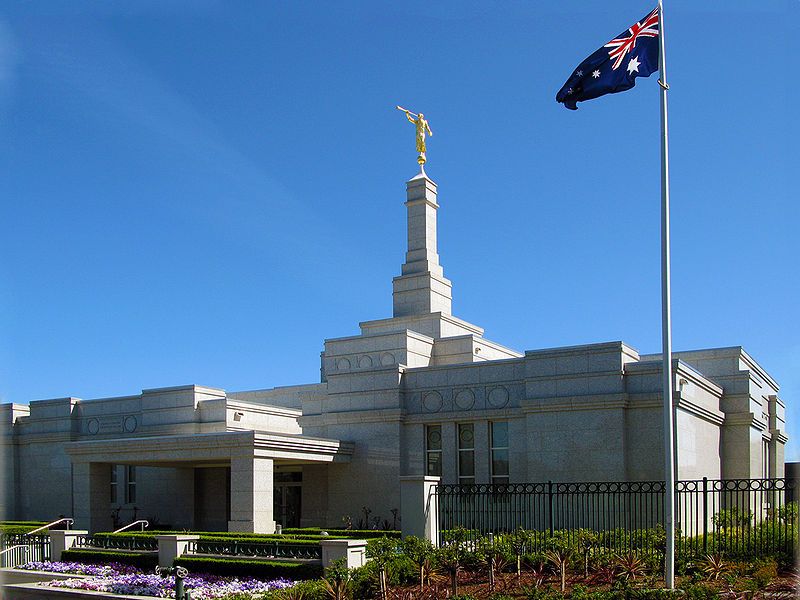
x,y
716,417
390,415
745,418
264,409
779,436
463,416
203,447
574,403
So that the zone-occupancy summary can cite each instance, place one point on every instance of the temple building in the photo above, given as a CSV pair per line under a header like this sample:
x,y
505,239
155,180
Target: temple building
x,y
420,393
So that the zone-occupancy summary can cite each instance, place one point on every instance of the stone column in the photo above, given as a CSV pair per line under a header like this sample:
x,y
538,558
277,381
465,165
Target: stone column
x,y
251,495
422,287
171,547
354,552
419,507
91,496
63,539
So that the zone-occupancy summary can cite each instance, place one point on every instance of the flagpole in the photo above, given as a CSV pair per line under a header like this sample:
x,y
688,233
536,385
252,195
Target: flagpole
x,y
666,322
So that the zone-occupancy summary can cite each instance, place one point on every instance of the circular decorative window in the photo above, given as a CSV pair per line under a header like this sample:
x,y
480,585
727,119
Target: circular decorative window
x,y
93,426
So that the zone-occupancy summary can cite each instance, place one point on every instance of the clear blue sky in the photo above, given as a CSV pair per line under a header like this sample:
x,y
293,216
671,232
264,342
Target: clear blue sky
x,y
201,192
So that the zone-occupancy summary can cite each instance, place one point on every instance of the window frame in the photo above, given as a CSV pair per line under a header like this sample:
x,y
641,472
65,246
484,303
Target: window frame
x,y
433,451
465,479
503,478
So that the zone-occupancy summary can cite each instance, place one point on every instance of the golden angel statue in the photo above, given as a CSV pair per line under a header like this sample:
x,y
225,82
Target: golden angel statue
x,y
422,128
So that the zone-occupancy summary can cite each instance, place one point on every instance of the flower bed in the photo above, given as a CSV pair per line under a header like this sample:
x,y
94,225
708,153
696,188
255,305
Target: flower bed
x,y
76,568
124,579
202,587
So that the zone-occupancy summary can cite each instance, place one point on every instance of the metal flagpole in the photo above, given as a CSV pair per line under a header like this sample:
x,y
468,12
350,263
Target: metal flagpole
x,y
666,322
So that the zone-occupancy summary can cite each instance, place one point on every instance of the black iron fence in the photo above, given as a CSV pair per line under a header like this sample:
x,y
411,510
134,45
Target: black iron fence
x,y
255,549
106,542
742,517
19,549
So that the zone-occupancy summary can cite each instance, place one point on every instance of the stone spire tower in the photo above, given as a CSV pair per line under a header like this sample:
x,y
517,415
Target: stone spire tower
x,y
422,287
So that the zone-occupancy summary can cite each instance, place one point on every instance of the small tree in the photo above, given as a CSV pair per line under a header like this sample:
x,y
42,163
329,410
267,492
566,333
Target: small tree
x,y
559,558
421,553
587,541
337,580
451,558
382,551
520,542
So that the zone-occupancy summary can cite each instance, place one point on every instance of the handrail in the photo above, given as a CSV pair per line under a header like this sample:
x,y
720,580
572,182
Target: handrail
x,y
49,525
10,548
144,523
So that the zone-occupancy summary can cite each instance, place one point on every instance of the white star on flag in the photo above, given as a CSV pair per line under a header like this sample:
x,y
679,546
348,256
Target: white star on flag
x,y
579,73
633,65
596,74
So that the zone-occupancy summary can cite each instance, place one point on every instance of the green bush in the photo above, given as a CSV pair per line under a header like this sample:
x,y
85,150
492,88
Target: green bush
x,y
20,527
699,591
146,561
311,589
263,569
342,533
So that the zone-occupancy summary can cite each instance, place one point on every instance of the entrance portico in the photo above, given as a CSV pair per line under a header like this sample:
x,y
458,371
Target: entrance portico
x,y
250,455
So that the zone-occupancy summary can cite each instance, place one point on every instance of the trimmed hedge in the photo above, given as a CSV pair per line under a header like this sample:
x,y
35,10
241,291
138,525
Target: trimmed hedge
x,y
146,561
345,533
221,537
20,527
265,569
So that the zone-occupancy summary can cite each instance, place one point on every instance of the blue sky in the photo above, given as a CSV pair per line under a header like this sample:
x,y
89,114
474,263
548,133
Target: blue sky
x,y
202,192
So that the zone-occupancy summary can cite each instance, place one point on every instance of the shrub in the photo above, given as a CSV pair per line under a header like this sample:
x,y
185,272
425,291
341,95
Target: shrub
x,y
261,569
146,561
312,589
732,517
764,573
700,591
788,513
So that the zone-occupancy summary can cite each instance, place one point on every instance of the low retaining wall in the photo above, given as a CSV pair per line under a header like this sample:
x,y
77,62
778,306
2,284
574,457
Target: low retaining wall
x,y
34,591
12,576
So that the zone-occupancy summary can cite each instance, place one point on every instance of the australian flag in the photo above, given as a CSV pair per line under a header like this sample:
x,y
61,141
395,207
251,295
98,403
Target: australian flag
x,y
615,66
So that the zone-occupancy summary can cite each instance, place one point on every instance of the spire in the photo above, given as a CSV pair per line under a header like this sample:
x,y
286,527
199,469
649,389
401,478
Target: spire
x,y
422,287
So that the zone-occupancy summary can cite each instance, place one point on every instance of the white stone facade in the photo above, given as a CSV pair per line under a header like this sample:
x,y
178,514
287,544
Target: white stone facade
x,y
320,454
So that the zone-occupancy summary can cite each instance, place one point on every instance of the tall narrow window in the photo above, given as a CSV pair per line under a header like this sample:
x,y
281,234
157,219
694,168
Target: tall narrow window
x,y
466,453
433,450
499,451
130,484
114,487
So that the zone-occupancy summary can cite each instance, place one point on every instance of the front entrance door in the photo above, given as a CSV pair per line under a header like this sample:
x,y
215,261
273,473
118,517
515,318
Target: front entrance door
x,y
287,498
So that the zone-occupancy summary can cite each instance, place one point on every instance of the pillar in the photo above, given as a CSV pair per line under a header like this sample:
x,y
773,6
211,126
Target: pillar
x,y
251,495
91,496
171,547
63,539
354,552
419,507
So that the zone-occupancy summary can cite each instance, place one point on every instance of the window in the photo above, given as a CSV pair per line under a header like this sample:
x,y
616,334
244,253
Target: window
x,y
433,450
130,484
499,451
114,486
466,453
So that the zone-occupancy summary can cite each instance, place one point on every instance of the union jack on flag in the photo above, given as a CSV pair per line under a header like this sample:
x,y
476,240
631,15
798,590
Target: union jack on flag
x,y
635,49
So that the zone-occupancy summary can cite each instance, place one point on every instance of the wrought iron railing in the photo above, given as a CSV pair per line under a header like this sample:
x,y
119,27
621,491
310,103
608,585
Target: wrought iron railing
x,y
737,516
107,542
20,548
255,549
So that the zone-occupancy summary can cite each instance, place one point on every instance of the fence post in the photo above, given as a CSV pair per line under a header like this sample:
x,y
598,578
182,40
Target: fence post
x,y
550,506
171,547
63,539
705,515
419,507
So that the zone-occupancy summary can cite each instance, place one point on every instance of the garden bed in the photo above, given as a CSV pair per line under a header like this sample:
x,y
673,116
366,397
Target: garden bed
x,y
127,581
